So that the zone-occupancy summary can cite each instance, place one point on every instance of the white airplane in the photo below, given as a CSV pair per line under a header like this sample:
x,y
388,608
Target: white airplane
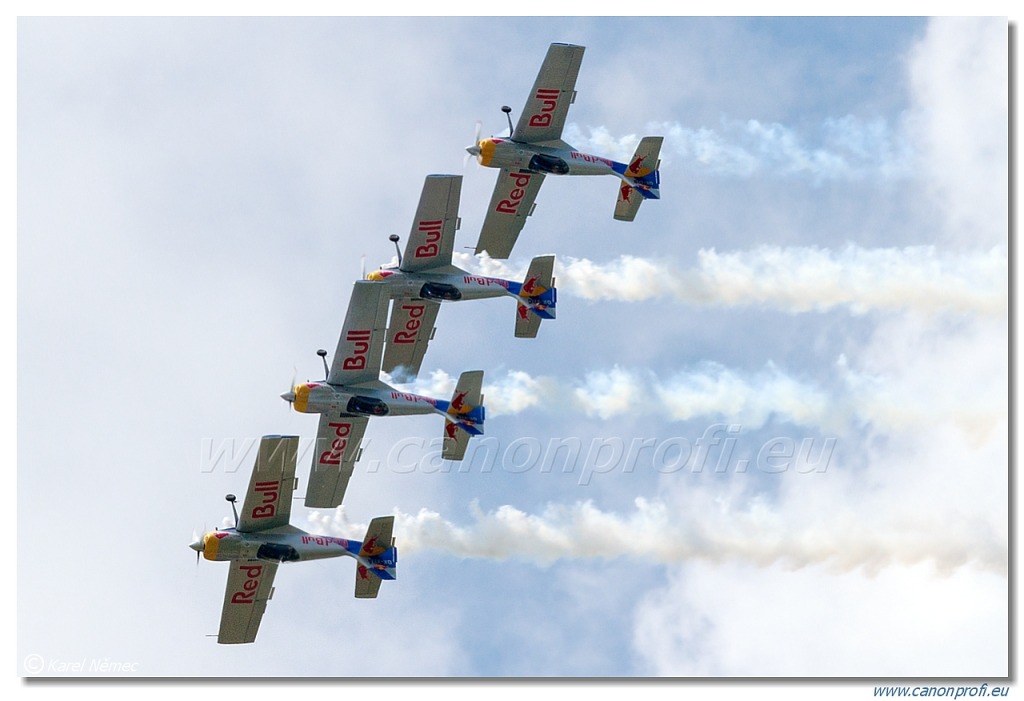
x,y
352,393
425,276
535,148
262,539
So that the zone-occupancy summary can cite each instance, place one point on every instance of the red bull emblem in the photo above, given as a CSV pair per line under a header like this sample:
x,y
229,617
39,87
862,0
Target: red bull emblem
x,y
361,343
511,204
459,402
530,285
625,192
523,311
549,101
338,445
269,492
432,234
634,167
250,585
450,430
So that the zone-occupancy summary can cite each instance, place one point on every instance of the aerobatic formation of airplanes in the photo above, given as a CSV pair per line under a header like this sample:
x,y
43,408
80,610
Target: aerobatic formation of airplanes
x,y
534,148
414,289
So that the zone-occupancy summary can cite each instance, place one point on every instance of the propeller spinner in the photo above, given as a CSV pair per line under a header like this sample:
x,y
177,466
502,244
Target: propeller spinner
x,y
473,150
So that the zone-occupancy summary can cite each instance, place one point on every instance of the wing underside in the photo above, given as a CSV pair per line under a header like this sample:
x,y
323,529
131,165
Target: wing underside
x,y
335,453
544,114
358,355
250,586
409,331
512,202
433,231
268,500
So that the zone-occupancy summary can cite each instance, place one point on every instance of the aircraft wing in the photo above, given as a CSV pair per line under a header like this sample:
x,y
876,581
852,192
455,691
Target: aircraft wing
x,y
268,501
410,330
357,358
512,202
554,90
250,586
334,457
437,218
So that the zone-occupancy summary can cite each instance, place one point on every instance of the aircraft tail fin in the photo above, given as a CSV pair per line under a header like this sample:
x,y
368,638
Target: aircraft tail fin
x,y
537,297
641,176
378,557
465,415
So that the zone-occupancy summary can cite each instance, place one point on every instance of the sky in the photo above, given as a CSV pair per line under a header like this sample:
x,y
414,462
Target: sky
x,y
767,435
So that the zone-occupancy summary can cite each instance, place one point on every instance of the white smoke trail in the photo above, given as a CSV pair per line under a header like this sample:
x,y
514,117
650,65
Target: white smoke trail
x,y
793,279
656,533
847,148
711,390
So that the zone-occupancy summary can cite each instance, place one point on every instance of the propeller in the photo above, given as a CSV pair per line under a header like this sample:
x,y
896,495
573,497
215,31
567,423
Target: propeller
x,y
198,545
289,396
474,149
362,267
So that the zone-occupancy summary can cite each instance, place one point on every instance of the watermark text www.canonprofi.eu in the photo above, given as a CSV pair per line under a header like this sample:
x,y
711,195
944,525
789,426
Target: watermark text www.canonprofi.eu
x,y
717,449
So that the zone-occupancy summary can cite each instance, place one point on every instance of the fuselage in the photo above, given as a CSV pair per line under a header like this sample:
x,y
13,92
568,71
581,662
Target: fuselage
x,y
369,399
451,286
287,544
505,153
290,544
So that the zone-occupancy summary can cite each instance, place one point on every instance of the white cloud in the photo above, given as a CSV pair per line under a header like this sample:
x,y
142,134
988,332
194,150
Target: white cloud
x,y
935,459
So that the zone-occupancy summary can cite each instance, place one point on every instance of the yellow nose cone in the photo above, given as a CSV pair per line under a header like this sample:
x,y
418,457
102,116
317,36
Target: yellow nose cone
x,y
301,402
210,543
486,152
375,276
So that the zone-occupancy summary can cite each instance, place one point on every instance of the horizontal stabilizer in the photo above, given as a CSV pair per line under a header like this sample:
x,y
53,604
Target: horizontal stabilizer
x,y
537,297
641,178
466,412
378,557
